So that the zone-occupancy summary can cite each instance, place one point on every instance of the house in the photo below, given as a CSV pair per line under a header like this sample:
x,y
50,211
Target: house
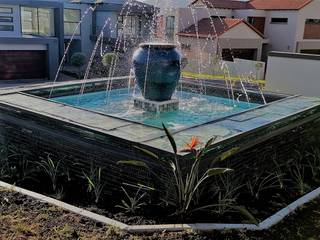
x,y
34,34
287,25
228,37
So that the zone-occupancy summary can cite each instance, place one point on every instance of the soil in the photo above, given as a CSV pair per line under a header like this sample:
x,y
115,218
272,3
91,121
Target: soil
x,y
22,217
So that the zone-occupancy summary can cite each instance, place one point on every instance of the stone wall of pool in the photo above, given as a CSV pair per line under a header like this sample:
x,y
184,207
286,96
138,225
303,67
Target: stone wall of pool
x,y
29,120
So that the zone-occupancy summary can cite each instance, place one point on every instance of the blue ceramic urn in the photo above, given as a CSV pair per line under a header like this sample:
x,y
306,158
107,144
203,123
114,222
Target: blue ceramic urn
x,y
157,70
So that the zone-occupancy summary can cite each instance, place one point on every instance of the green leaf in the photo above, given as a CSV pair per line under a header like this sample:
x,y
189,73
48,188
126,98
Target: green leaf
x,y
134,163
171,139
246,214
216,171
210,142
227,154
151,154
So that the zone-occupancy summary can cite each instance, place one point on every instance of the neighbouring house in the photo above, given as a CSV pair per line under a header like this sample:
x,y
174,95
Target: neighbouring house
x,y
228,37
34,34
287,25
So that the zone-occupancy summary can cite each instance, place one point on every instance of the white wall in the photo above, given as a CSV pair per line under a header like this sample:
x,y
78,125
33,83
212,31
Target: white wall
x,y
293,75
244,14
16,22
282,36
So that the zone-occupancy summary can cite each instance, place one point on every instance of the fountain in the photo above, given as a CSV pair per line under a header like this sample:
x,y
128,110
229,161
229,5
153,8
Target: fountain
x,y
157,70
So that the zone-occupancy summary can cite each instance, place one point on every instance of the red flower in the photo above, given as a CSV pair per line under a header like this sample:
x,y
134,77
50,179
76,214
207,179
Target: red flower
x,y
192,145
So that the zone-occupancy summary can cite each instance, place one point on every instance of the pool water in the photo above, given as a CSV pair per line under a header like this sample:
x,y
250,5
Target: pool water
x,y
194,109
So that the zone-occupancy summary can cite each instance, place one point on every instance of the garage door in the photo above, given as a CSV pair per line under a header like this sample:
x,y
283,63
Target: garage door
x,y
23,65
249,54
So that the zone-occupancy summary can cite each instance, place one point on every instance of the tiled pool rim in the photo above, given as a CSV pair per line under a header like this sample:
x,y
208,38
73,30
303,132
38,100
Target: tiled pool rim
x,y
278,116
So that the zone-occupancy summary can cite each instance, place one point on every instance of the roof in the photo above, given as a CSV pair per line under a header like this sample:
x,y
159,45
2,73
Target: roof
x,y
215,27
257,4
279,5
228,4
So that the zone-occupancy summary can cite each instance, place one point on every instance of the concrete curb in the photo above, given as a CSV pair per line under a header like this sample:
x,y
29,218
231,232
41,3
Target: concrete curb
x,y
201,227
65,206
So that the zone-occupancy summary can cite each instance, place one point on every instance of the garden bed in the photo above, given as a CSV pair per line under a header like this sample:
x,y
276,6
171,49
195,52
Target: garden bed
x,y
23,217
238,198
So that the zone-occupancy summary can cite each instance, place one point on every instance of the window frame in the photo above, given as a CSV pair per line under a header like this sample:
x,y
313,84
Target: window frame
x,y
6,17
38,22
312,21
72,22
9,30
6,12
286,20
135,25
171,28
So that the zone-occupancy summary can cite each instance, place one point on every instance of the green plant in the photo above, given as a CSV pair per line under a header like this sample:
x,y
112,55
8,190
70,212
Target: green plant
x,y
95,182
78,60
4,163
19,165
109,59
183,191
297,171
227,187
314,162
261,182
133,203
52,169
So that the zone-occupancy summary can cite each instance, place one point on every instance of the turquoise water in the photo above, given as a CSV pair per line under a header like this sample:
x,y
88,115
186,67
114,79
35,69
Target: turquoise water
x,y
194,108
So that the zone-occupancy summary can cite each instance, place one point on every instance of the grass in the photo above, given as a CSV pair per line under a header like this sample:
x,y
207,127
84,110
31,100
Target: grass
x,y
218,77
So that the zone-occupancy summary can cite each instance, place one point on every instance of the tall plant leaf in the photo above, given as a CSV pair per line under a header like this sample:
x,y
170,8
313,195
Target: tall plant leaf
x,y
171,139
151,154
134,163
246,214
223,156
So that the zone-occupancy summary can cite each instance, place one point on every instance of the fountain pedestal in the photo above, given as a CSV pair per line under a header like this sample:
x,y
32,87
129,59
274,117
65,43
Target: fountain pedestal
x,y
155,106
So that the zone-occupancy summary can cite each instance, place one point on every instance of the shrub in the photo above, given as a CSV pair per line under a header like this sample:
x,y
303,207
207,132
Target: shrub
x,y
108,59
78,60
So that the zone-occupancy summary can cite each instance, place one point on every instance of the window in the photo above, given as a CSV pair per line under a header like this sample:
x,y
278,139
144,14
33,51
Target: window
x,y
6,19
130,25
72,18
279,20
5,10
217,17
312,21
37,21
6,28
170,27
250,20
186,46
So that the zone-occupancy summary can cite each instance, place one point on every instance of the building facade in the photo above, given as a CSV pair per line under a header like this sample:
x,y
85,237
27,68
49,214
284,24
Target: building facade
x,y
287,25
34,34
